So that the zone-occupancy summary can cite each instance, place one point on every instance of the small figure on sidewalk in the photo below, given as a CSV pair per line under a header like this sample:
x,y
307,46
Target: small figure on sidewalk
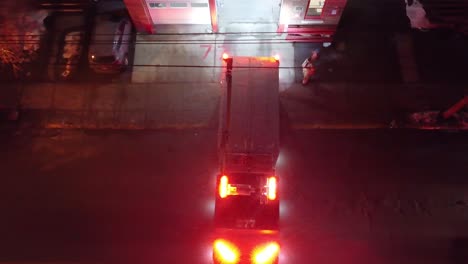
x,y
308,67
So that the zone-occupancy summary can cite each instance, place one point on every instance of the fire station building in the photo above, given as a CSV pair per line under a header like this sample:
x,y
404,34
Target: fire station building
x,y
300,20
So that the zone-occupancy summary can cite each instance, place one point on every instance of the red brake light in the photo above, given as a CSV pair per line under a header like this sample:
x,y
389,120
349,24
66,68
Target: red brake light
x,y
271,188
223,188
225,252
266,254
225,56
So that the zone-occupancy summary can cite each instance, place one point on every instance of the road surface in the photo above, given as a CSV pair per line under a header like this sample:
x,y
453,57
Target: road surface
x,y
372,196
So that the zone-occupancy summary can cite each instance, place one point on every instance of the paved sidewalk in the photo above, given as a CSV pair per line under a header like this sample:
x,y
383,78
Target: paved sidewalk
x,y
198,58
364,105
120,106
195,105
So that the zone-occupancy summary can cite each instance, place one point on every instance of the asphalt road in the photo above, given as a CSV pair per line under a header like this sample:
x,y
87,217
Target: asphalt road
x,y
147,197
374,196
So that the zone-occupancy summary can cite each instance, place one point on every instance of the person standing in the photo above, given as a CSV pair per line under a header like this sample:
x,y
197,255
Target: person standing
x,y
308,67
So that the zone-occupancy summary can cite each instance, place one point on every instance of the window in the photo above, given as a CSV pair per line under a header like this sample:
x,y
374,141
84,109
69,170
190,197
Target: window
x,y
315,8
199,4
157,5
178,4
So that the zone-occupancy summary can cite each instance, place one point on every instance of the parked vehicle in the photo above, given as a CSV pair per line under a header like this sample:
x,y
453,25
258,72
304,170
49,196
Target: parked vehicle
x,y
110,44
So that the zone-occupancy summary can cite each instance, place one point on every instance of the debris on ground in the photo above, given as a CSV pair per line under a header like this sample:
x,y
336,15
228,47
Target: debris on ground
x,y
433,120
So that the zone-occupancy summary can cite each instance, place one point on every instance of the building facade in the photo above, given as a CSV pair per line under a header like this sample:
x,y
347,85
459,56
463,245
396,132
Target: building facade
x,y
300,20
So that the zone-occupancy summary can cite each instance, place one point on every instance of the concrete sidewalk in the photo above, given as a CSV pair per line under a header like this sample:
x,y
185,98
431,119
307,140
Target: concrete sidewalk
x,y
119,106
362,105
195,105
198,58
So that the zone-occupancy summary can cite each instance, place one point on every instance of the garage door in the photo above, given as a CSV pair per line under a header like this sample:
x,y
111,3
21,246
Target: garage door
x,y
248,11
179,12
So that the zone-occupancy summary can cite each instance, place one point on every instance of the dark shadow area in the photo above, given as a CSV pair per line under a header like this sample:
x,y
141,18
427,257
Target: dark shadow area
x,y
383,16
442,56
459,250
285,125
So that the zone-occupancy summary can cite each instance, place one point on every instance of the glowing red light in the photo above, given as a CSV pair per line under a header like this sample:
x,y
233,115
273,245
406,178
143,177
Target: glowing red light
x,y
225,252
272,186
225,56
266,254
223,188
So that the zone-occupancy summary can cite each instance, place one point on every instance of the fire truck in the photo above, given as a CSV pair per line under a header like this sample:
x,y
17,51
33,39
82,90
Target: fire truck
x,y
247,201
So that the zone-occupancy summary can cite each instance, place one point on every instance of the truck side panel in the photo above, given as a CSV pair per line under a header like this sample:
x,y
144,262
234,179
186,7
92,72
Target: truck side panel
x,y
254,126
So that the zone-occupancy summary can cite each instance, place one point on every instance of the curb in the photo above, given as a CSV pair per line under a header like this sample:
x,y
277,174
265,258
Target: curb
x,y
331,126
314,126
308,126
128,127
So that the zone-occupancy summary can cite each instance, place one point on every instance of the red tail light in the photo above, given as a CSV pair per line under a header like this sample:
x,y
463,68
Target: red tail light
x,y
223,188
271,188
266,254
225,252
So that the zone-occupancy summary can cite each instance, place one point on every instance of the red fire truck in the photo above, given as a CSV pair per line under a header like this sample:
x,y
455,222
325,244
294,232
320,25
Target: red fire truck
x,y
247,200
